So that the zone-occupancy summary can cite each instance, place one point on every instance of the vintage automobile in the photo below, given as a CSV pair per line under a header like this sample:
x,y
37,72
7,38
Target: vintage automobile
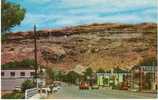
x,y
124,86
83,85
95,86
55,87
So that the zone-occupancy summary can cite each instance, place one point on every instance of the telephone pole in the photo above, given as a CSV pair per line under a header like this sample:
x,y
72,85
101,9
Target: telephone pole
x,y
141,79
35,52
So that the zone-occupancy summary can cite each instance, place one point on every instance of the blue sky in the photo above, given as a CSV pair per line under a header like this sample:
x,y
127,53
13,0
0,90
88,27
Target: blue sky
x,y
47,14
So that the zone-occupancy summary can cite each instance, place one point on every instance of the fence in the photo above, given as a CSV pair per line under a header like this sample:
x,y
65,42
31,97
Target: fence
x,y
30,92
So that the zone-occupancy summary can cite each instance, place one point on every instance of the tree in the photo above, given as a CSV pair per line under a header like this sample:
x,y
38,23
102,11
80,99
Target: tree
x,y
72,77
57,75
12,15
50,73
88,72
27,85
3,37
60,76
100,70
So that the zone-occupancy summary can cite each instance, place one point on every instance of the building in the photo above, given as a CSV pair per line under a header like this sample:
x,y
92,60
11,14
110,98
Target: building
x,y
144,77
12,78
113,77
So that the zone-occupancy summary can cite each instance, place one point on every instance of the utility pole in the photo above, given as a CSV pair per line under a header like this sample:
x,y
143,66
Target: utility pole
x,y
132,79
141,79
35,52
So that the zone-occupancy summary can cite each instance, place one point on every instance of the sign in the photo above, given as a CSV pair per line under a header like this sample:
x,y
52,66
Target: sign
x,y
149,68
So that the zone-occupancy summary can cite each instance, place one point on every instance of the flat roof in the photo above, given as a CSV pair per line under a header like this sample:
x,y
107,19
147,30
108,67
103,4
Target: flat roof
x,y
18,68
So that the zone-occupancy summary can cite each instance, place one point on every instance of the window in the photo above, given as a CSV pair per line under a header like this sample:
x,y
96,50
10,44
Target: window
x,y
32,73
2,73
22,73
12,73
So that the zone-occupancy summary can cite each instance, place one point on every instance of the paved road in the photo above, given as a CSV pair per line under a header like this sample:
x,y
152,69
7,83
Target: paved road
x,y
72,92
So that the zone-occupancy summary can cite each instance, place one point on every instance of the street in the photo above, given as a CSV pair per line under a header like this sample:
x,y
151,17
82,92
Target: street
x,y
73,92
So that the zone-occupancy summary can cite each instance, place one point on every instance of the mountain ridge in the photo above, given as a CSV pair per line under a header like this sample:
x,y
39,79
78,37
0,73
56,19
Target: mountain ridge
x,y
95,45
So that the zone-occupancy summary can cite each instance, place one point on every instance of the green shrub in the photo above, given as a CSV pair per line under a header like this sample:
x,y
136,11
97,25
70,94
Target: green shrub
x,y
27,85
16,64
13,95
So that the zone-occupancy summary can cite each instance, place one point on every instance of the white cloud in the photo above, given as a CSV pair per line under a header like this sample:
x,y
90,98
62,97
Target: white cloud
x,y
34,18
40,1
54,13
114,3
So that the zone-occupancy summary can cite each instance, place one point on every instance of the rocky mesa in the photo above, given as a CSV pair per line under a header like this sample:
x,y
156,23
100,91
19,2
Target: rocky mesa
x,y
97,45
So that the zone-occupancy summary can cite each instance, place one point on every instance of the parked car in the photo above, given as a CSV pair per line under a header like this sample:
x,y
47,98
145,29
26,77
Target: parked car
x,y
95,87
84,85
57,86
45,91
55,89
124,86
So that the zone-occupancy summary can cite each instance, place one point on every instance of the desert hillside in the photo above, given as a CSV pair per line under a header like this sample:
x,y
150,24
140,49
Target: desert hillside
x,y
97,45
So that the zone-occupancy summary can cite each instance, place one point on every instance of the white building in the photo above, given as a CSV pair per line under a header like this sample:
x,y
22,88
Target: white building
x,y
12,78
115,76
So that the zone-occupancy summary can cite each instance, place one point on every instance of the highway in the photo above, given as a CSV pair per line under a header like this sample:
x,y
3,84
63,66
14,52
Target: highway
x,y
73,92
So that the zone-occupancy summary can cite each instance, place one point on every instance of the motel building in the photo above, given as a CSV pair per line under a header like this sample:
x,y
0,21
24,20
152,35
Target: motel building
x,y
12,78
144,78
113,77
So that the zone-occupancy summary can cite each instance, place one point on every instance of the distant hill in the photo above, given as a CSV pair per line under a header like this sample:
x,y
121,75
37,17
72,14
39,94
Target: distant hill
x,y
97,45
